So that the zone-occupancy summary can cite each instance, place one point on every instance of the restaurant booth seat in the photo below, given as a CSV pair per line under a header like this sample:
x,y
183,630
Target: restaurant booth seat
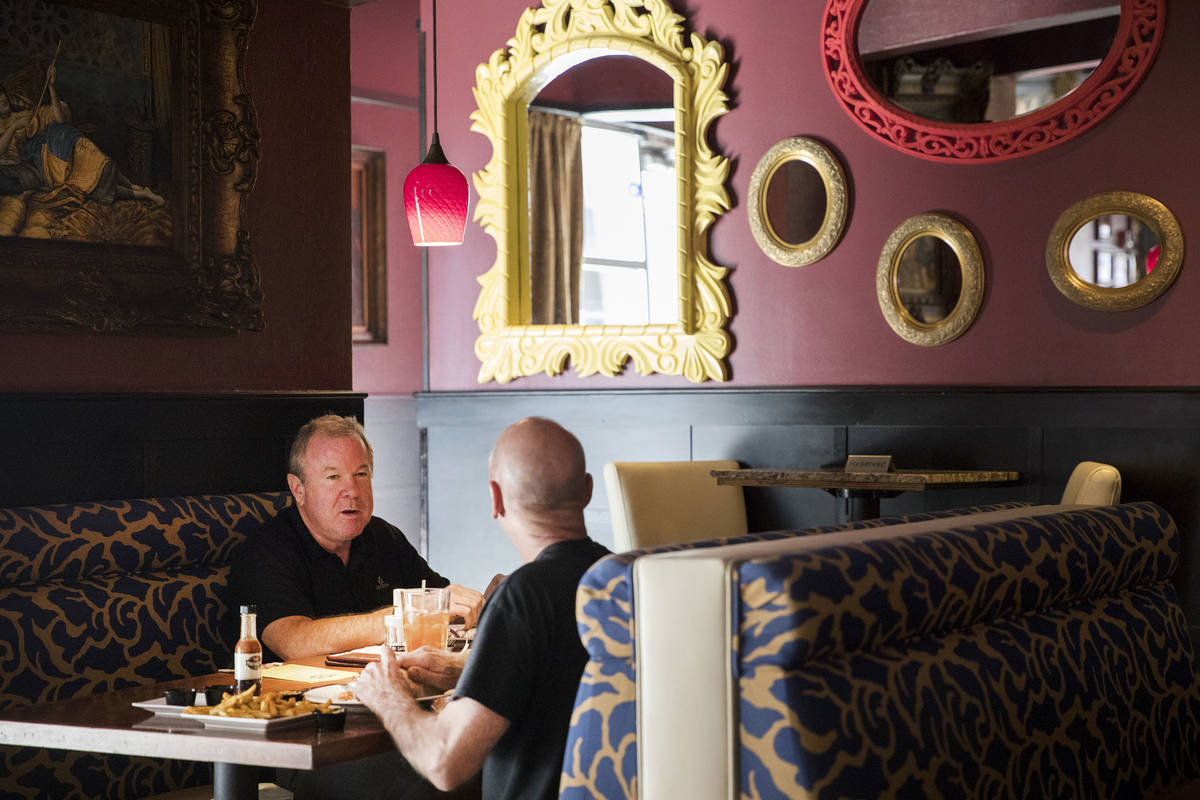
x,y
1005,651
663,502
107,595
1092,484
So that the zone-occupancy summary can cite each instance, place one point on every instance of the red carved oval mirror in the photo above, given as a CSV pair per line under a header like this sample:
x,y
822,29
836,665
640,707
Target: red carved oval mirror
x,y
923,121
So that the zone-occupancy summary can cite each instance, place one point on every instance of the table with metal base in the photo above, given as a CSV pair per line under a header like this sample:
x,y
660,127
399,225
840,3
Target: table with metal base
x,y
108,723
860,492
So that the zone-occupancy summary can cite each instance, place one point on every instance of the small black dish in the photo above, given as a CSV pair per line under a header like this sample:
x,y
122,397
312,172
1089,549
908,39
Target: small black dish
x,y
180,697
334,720
215,694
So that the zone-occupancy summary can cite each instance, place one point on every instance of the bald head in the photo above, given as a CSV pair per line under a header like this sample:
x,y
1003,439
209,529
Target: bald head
x,y
541,468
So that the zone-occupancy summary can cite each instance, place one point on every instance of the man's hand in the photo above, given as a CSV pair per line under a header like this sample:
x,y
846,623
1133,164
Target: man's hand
x,y
384,683
465,603
437,668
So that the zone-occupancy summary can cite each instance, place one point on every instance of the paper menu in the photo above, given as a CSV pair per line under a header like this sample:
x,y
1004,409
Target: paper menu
x,y
304,674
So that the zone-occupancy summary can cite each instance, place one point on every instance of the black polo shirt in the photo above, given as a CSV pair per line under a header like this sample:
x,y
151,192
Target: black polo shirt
x,y
525,665
281,569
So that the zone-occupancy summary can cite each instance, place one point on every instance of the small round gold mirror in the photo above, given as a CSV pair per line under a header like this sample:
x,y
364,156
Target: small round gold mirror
x,y
798,202
929,281
1115,251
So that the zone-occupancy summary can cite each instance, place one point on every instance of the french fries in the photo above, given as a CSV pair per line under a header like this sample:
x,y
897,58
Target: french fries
x,y
269,706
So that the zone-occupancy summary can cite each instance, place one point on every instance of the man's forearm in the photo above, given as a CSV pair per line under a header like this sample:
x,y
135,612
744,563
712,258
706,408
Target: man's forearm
x,y
447,747
414,730
296,637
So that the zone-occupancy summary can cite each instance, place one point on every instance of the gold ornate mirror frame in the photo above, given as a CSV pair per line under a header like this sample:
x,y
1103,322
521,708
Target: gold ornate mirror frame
x,y
819,157
1101,298
550,39
970,298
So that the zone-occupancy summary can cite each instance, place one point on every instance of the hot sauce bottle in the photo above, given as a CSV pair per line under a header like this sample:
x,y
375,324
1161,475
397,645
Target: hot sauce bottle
x,y
247,653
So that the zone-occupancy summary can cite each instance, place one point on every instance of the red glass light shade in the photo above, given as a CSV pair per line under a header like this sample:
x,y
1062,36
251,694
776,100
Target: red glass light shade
x,y
435,199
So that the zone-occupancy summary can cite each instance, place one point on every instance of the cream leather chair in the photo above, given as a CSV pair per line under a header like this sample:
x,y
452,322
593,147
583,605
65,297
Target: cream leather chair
x,y
666,502
1093,484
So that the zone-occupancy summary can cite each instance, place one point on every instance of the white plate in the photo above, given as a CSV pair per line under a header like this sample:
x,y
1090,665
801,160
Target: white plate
x,y
323,693
160,708
251,723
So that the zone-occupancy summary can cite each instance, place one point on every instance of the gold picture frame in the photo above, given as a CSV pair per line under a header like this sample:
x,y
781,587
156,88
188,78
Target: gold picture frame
x,y
833,178
548,40
965,249
199,276
1103,298
368,245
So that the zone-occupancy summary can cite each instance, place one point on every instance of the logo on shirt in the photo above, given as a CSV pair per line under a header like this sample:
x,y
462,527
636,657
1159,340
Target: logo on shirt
x,y
380,583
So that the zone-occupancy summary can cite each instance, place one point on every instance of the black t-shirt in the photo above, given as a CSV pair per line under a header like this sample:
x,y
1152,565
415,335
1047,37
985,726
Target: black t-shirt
x,y
281,569
525,665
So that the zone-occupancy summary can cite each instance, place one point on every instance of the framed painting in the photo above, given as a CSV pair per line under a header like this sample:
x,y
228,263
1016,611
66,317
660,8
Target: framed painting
x,y
368,245
128,149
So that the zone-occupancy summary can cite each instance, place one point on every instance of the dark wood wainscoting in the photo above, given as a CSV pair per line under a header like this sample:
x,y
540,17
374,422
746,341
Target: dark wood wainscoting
x,y
61,448
1151,435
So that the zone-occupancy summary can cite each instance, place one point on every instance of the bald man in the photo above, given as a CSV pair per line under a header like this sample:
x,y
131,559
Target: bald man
x,y
513,702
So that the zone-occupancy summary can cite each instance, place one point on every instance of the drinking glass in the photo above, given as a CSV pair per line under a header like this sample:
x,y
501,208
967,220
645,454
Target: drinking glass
x,y
393,625
426,618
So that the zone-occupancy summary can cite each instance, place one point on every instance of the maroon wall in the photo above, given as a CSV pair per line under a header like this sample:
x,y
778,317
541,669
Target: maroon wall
x,y
385,84
821,324
297,72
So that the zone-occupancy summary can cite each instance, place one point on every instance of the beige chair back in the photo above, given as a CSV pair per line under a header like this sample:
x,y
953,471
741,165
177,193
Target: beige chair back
x,y
1093,484
666,502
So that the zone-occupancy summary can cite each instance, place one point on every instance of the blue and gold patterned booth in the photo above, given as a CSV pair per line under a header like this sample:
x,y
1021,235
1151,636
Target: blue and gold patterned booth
x,y
99,596
1033,652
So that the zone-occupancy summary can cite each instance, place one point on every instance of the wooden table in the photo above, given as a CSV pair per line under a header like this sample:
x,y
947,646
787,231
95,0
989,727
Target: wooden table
x,y
107,723
861,491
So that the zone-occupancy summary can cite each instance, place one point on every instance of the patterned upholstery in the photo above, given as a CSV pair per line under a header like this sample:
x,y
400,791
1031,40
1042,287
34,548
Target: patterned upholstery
x,y
601,752
99,596
1041,657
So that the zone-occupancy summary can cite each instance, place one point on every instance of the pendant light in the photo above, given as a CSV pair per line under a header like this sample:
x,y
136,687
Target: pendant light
x,y
435,193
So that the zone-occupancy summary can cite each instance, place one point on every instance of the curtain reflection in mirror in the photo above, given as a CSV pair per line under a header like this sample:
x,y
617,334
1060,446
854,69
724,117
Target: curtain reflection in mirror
x,y
602,230
556,218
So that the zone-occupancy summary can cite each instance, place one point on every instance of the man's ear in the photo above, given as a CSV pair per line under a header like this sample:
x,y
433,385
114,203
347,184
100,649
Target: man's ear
x,y
497,500
297,487
587,493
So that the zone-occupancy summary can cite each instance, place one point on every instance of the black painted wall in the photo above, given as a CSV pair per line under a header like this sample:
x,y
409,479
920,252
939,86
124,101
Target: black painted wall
x,y
62,448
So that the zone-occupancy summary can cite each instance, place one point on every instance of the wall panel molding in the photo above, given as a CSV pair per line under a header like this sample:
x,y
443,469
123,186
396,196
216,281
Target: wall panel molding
x,y
1151,434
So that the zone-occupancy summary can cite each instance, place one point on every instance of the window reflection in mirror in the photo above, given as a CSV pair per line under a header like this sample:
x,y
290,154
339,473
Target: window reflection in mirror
x,y
928,279
796,202
604,250
983,61
1114,251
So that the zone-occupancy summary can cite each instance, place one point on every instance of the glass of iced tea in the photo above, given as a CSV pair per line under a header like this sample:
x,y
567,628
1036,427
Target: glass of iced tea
x,y
426,618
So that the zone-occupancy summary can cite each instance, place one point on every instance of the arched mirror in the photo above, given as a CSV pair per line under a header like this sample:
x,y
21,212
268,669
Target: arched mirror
x,y
798,201
929,281
602,196
601,258
1115,251
988,81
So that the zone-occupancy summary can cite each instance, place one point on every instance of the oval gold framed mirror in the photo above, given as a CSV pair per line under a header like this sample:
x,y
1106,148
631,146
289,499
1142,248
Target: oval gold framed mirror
x,y
929,281
798,202
1115,251
689,337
